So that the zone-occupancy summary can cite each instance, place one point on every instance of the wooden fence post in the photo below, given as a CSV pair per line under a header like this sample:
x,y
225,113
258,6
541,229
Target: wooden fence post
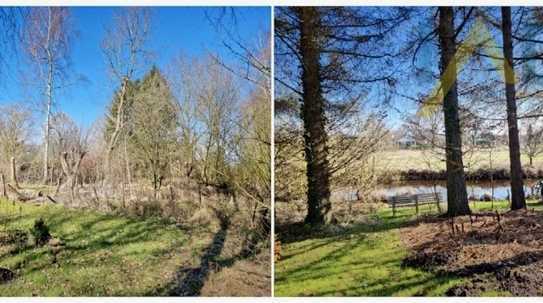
x,y
417,204
3,180
393,206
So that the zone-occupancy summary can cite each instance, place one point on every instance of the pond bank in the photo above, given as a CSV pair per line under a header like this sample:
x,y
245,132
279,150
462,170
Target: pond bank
x,y
477,190
482,174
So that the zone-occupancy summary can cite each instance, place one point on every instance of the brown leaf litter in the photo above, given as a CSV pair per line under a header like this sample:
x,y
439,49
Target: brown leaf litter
x,y
497,252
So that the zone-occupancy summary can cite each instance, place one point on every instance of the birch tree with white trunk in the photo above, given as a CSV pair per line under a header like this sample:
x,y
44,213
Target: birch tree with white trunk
x,y
47,35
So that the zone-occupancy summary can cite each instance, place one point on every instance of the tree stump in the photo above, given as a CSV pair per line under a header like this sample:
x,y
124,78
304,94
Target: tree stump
x,y
56,246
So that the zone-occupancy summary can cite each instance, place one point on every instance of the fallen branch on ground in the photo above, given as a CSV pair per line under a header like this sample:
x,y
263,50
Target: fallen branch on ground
x,y
38,197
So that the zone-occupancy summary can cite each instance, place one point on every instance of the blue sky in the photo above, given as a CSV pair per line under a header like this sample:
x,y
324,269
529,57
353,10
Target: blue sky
x,y
174,31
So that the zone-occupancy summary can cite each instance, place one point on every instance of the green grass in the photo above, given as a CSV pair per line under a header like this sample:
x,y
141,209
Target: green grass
x,y
362,261
105,255
495,293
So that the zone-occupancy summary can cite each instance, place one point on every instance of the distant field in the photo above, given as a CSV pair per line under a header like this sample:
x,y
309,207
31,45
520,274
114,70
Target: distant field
x,y
403,160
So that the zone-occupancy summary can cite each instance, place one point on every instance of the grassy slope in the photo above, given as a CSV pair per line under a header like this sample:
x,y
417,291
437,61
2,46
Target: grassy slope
x,y
364,261
105,255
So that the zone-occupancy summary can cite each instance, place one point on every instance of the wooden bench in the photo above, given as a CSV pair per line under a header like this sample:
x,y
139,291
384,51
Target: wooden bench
x,y
414,200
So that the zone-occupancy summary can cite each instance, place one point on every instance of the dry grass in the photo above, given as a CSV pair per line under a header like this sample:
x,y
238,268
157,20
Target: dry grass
x,y
402,160
245,278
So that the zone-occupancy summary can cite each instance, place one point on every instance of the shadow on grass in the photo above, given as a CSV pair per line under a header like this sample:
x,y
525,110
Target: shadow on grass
x,y
92,240
367,258
366,265
379,222
387,287
359,259
193,279
190,281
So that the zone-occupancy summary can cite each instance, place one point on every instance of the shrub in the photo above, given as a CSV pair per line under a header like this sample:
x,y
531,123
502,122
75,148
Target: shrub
x,y
40,232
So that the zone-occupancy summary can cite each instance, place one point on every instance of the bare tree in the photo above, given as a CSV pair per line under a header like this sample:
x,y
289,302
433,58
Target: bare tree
x,y
72,144
181,78
251,60
15,131
124,49
47,38
251,141
253,175
533,143
216,99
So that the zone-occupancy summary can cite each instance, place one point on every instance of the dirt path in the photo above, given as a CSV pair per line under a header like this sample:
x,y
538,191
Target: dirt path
x,y
221,270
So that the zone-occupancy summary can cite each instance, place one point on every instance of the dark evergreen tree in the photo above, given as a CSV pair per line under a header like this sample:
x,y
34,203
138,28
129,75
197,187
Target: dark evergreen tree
x,y
518,200
326,56
457,198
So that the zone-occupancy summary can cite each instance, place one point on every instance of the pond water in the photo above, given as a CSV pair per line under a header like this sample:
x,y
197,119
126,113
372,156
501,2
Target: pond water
x,y
499,189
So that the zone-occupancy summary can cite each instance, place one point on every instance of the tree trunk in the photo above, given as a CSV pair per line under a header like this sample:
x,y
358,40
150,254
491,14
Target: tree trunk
x,y
457,197
155,187
128,169
261,225
49,94
313,116
3,181
517,188
71,184
71,170
14,173
119,123
46,142
206,162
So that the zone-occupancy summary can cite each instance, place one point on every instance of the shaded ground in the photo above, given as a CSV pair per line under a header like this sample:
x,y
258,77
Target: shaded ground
x,y
409,256
107,255
357,260
497,252
223,270
246,277
6,275
104,255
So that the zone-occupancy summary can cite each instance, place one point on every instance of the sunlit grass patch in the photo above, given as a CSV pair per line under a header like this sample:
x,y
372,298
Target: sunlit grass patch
x,y
104,255
365,260
356,264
